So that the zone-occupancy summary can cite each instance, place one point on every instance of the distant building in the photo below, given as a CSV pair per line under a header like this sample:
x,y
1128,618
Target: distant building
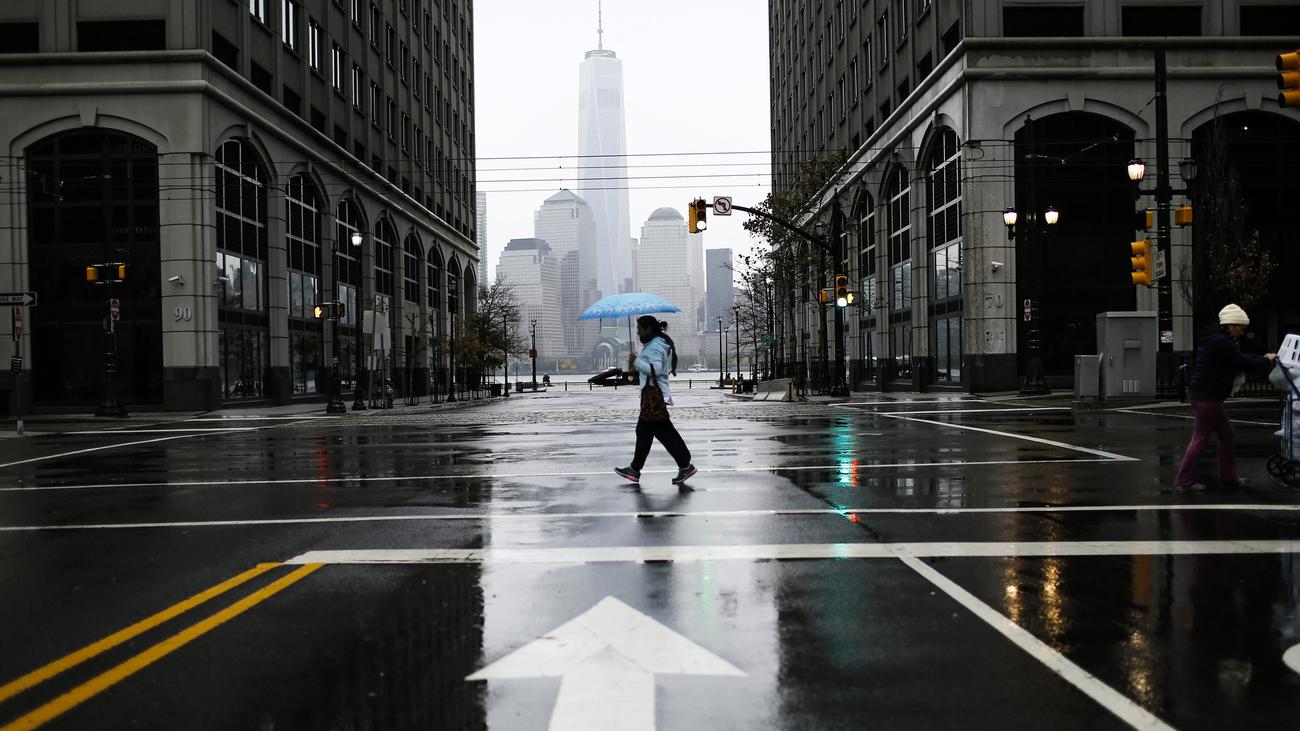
x,y
721,289
566,223
668,256
528,266
481,236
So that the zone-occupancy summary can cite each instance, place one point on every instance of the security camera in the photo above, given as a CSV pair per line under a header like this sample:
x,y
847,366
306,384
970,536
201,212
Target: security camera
x,y
996,265
176,279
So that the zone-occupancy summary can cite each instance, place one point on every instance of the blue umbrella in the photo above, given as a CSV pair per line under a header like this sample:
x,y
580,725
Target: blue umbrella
x,y
627,305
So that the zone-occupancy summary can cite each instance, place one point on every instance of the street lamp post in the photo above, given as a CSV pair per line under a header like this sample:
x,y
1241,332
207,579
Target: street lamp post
x,y
735,320
720,355
726,357
335,405
358,402
505,347
532,351
451,361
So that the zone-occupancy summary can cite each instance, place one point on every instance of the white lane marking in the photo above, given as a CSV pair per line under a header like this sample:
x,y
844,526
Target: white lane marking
x,y
791,551
519,475
974,411
1186,416
608,657
1110,699
250,417
181,430
645,514
108,446
1292,658
1022,437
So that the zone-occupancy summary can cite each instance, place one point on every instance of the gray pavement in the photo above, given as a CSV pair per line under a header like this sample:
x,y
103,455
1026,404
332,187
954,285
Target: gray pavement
x,y
890,561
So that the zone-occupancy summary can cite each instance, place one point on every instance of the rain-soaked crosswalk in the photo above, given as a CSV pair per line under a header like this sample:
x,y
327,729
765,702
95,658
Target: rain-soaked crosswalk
x,y
917,562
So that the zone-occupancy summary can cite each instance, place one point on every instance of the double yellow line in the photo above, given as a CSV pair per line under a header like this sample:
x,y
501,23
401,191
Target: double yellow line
x,y
111,677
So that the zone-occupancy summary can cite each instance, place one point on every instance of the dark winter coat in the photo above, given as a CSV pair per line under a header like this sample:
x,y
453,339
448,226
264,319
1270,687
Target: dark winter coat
x,y
1218,361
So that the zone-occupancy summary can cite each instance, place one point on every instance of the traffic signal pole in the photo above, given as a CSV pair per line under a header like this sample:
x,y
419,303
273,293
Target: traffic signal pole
x,y
1166,362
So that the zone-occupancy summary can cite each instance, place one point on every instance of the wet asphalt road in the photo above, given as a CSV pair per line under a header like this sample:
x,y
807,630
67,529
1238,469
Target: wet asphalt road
x,y
883,564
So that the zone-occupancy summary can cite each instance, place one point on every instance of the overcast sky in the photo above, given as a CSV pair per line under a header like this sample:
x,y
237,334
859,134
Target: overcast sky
x,y
694,81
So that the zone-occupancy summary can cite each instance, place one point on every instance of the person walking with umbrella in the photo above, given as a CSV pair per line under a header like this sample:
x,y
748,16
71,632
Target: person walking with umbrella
x,y
653,422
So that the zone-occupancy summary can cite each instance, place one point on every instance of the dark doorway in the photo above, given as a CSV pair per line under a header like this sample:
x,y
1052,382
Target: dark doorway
x,y
1075,163
93,198
1263,152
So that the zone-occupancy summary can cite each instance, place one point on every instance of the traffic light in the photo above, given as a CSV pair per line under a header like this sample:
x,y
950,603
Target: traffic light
x,y
328,311
1141,261
1144,220
106,273
1183,216
842,296
1288,79
697,218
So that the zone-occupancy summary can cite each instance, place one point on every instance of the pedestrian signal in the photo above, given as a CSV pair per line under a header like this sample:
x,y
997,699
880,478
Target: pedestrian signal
x,y
106,273
842,295
1183,216
1144,220
1288,79
697,216
328,311
1141,261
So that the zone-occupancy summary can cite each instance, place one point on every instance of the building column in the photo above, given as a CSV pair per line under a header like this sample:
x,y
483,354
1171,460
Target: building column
x,y
923,365
190,292
279,379
989,272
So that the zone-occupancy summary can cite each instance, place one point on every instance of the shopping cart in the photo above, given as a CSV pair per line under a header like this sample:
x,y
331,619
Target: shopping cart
x,y
1284,466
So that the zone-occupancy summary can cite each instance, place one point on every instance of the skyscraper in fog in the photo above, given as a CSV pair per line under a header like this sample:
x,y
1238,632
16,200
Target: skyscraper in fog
x,y
566,223
602,147
528,266
719,279
481,236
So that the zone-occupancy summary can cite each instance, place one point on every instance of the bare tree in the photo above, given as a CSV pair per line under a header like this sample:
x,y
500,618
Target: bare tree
x,y
492,331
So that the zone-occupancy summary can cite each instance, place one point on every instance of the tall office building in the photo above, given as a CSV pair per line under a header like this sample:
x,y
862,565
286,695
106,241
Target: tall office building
x,y
265,136
721,288
566,223
930,98
481,236
602,147
529,266
665,264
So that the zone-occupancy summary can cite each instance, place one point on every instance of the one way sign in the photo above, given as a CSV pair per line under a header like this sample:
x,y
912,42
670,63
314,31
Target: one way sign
x,y
11,299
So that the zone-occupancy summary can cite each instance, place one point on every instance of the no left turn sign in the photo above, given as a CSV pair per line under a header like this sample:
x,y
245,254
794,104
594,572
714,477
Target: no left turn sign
x,y
722,206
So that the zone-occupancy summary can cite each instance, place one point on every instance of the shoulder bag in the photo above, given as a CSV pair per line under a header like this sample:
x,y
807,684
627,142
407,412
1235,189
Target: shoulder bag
x,y
653,408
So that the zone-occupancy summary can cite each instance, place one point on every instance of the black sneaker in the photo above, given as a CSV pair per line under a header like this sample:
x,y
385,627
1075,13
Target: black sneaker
x,y
685,474
1194,487
629,474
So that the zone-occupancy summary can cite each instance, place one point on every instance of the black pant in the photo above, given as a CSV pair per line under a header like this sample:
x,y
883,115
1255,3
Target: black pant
x,y
667,435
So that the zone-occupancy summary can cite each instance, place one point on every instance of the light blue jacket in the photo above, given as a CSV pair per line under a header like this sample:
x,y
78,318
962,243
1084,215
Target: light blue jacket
x,y
656,353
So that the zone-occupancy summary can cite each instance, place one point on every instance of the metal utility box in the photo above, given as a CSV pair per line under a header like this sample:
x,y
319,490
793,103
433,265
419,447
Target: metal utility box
x,y
1087,377
1128,342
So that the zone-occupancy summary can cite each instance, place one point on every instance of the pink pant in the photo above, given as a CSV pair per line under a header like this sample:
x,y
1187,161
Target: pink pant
x,y
1210,417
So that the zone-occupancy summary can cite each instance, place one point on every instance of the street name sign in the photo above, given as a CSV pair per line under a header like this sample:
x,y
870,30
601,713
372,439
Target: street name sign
x,y
722,205
11,299
607,659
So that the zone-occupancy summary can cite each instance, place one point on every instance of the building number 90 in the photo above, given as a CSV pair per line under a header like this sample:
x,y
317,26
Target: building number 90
x,y
183,313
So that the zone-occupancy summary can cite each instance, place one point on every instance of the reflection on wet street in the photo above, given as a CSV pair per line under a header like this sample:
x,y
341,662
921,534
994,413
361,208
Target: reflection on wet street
x,y
898,563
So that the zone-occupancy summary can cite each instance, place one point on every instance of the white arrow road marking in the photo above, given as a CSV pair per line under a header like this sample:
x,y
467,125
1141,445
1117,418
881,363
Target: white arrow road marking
x,y
608,657
1292,658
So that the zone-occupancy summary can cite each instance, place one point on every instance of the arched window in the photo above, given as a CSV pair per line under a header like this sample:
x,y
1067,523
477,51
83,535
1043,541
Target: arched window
x,y
453,287
434,283
303,243
411,256
347,265
943,229
865,212
241,218
471,291
385,241
899,291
